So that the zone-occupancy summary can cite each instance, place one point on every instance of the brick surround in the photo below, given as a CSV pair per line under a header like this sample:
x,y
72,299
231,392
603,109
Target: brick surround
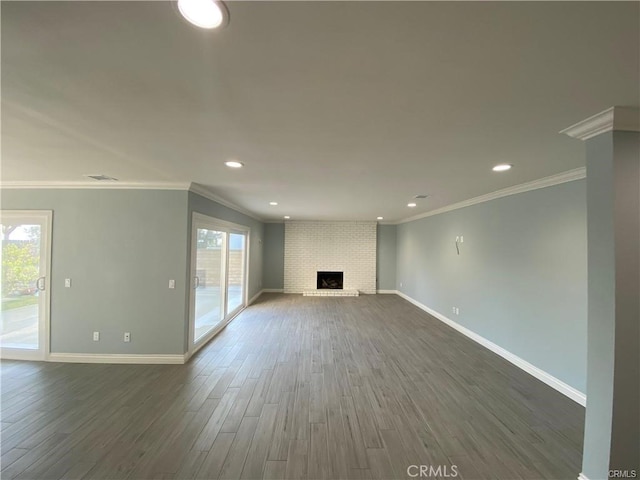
x,y
348,247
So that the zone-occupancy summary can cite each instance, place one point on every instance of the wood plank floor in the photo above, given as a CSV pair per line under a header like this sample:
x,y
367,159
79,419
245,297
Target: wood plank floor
x,y
297,388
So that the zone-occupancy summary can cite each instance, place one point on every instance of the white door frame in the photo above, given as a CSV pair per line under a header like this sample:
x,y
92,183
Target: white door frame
x,y
45,219
211,223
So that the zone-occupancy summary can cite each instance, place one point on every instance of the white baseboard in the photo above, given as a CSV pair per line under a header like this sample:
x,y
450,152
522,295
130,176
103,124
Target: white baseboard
x,y
553,382
115,358
582,476
265,290
395,292
255,297
133,358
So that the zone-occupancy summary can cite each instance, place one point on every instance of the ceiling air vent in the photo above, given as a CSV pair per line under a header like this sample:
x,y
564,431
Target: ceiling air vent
x,y
102,178
421,196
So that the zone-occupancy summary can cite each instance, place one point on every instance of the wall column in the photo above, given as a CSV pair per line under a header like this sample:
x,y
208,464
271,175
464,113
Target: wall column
x,y
612,422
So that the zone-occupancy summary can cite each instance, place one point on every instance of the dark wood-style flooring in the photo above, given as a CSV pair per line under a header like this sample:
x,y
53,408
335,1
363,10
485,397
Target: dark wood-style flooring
x,y
299,388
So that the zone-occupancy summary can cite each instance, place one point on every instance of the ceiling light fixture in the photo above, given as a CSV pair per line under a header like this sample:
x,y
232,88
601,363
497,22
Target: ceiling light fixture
x,y
503,167
287,217
379,218
234,164
273,204
203,13
411,205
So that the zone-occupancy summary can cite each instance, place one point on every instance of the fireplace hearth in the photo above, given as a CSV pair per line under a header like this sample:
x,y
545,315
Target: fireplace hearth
x,y
330,280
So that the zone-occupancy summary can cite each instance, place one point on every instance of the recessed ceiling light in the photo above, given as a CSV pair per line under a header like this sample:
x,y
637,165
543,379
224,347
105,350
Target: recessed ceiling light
x,y
234,164
273,204
503,167
287,217
379,218
411,205
202,13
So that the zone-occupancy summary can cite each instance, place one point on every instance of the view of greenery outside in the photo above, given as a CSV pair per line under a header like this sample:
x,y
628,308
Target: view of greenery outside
x,y
11,303
20,268
209,238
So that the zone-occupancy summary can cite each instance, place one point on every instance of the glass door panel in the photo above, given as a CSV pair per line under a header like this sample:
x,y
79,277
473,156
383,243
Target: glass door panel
x,y
24,284
209,281
219,276
236,280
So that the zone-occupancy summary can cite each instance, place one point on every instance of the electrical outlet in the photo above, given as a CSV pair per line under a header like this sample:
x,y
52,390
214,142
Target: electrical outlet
x,y
457,311
453,309
96,336
127,336
400,284
461,239
67,283
172,284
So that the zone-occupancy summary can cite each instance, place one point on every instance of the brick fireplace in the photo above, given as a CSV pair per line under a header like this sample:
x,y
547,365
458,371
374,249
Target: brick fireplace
x,y
346,247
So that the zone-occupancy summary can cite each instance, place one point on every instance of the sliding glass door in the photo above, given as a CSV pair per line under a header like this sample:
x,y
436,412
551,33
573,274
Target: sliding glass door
x,y
25,284
235,280
208,281
218,266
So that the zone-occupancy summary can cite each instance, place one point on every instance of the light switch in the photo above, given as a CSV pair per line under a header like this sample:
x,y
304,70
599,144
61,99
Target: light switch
x,y
67,283
172,284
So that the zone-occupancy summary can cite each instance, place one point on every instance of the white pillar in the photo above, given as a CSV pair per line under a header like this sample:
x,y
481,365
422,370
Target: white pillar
x,y
612,421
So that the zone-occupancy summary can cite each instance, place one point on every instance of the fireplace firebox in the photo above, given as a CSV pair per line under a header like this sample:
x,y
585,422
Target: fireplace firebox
x,y
330,280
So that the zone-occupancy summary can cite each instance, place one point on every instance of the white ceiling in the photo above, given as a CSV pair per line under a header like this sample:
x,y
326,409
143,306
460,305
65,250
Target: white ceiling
x,y
339,110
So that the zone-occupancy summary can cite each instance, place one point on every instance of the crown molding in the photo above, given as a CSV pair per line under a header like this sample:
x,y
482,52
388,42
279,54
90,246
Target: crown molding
x,y
95,185
564,177
203,191
614,118
192,187
340,222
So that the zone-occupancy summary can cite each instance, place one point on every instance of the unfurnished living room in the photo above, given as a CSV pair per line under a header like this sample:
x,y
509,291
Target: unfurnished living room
x,y
320,240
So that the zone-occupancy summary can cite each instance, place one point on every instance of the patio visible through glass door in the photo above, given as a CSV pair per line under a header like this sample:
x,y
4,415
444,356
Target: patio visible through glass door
x,y
218,276
235,283
209,280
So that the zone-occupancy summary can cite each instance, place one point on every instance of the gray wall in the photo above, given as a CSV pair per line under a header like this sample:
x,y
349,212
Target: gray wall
x,y
273,270
386,257
120,248
625,428
520,279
